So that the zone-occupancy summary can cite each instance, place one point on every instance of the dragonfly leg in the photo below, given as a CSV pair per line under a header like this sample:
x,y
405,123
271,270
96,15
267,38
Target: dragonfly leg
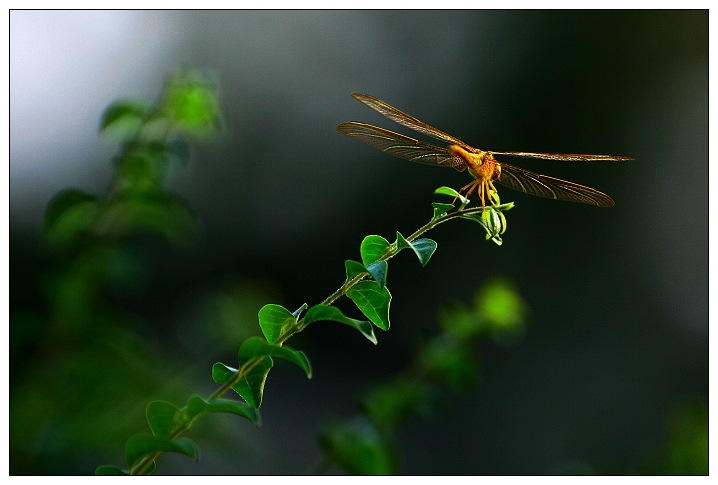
x,y
483,189
471,186
490,185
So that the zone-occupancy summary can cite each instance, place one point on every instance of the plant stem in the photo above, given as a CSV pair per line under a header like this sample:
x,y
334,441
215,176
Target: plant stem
x,y
143,465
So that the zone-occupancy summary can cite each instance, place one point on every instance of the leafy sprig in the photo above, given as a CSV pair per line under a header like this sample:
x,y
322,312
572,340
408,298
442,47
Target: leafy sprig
x,y
365,285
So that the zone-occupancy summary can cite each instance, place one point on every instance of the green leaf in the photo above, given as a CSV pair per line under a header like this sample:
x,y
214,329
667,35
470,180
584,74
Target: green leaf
x,y
378,271
353,268
450,362
359,448
401,242
62,201
299,310
326,312
251,386
505,206
496,239
440,209
494,220
68,216
479,219
493,226
146,165
275,319
162,417
423,248
221,373
373,301
123,118
154,211
500,303
446,191
143,444
189,446
503,221
454,194
192,102
390,404
372,247
142,168
490,232
255,347
461,322
196,406
109,470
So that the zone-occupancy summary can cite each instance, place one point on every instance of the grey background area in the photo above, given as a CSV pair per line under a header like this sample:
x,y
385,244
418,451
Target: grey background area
x,y
618,297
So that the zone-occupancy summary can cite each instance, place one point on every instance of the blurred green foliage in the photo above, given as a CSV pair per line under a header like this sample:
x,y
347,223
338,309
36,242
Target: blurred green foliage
x,y
445,362
359,448
684,450
449,362
497,312
86,363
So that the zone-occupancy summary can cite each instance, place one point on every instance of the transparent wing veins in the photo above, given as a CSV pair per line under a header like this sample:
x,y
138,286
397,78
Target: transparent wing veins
x,y
544,186
402,146
575,157
402,118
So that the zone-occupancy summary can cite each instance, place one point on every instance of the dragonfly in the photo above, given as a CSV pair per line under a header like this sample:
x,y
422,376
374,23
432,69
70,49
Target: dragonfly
x,y
481,164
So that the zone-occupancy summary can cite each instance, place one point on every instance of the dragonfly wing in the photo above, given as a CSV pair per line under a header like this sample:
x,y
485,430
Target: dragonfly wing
x,y
402,146
575,157
404,119
544,186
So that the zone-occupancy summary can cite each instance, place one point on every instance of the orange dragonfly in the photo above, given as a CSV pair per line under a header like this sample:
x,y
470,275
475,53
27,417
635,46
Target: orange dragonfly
x,y
481,164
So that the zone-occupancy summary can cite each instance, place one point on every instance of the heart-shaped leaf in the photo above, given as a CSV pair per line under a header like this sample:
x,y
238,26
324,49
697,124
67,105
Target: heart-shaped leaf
x,y
251,386
143,444
255,347
423,248
274,319
373,301
378,271
196,406
162,416
326,312
372,247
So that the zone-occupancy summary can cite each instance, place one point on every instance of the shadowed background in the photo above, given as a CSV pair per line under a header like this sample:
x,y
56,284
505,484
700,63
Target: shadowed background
x,y
618,298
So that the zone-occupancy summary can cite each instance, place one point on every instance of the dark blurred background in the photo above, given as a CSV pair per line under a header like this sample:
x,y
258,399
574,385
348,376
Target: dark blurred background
x,y
615,354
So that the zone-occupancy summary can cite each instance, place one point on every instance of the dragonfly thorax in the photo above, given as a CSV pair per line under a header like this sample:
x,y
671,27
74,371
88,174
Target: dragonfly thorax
x,y
481,164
